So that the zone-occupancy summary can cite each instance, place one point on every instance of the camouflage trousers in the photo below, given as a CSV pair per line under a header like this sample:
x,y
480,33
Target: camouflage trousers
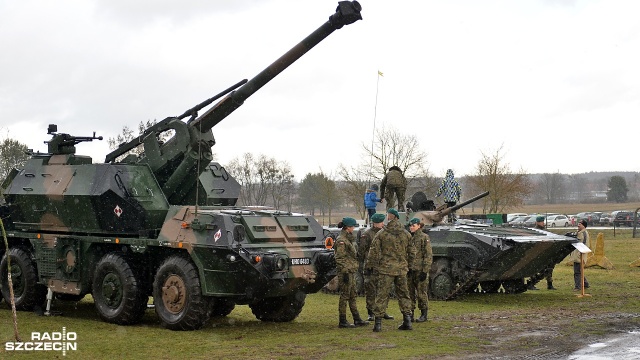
x,y
390,198
370,282
347,285
383,288
544,274
418,290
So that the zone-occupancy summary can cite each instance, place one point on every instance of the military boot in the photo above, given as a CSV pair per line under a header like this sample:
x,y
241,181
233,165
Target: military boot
x,y
413,319
406,322
550,286
531,285
357,320
377,327
371,316
387,316
343,322
423,316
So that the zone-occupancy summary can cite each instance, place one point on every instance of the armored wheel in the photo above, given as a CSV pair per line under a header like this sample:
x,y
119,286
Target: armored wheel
x,y
24,277
221,307
177,295
442,285
118,291
490,287
279,309
514,286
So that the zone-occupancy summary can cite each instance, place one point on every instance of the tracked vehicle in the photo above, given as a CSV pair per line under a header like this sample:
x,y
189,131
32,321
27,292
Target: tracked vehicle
x,y
481,258
161,224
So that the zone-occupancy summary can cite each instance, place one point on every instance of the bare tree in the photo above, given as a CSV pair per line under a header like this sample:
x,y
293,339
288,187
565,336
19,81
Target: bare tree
x,y
390,147
318,191
264,180
553,187
507,189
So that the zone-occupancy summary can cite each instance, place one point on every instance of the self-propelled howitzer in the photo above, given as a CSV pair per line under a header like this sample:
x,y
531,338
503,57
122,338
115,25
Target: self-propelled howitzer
x,y
146,225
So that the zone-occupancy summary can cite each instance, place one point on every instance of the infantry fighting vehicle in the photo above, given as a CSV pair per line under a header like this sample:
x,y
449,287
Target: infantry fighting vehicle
x,y
482,258
161,224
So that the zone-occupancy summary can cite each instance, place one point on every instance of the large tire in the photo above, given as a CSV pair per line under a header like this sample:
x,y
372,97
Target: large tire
x,y
441,281
118,291
24,276
279,309
221,307
177,295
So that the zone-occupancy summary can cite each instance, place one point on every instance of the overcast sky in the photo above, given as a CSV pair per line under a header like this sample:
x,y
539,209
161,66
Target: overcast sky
x,y
555,83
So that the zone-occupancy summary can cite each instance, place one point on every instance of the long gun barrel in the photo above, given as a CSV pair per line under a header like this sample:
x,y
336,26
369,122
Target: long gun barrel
x,y
465,203
347,13
178,163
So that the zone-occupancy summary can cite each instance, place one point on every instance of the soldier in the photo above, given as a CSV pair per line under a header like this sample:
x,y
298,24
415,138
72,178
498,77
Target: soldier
x,y
419,266
347,265
370,279
388,258
451,190
392,183
547,273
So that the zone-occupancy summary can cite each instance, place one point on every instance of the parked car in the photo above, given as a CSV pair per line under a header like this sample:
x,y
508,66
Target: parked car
x,y
573,219
518,221
510,217
623,218
530,221
592,218
557,220
605,219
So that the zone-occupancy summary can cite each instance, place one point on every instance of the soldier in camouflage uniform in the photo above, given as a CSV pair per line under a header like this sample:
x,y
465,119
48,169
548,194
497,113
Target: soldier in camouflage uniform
x,y
388,258
546,273
392,183
347,265
370,279
418,275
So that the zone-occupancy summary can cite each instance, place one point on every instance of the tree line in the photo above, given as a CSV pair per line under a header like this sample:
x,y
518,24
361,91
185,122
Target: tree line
x,y
267,181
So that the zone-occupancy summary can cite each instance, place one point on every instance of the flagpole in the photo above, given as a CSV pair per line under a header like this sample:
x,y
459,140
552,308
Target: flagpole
x,y
373,132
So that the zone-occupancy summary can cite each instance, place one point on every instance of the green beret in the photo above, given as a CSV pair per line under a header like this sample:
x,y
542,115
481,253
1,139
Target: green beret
x,y
414,221
377,218
540,219
349,221
394,212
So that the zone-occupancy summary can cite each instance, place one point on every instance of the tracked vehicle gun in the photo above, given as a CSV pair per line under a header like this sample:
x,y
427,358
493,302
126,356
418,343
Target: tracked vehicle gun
x,y
161,224
481,258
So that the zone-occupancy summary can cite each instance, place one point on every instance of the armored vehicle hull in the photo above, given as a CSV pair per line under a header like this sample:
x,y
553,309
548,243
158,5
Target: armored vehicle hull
x,y
161,223
487,258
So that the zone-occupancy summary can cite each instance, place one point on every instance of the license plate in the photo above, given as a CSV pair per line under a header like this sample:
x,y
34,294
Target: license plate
x,y
300,261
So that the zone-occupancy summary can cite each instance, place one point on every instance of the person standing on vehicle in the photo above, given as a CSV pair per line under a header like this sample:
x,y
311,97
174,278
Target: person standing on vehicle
x,y
388,256
369,276
371,201
547,273
451,190
347,265
582,235
418,275
394,183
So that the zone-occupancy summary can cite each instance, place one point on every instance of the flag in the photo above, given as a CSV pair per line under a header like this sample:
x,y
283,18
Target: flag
x,y
380,73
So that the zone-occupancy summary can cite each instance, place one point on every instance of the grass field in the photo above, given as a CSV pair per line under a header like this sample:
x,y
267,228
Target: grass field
x,y
535,323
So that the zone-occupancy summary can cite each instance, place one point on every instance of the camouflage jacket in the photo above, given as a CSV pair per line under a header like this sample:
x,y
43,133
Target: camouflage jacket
x,y
365,243
346,253
393,179
390,249
423,252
